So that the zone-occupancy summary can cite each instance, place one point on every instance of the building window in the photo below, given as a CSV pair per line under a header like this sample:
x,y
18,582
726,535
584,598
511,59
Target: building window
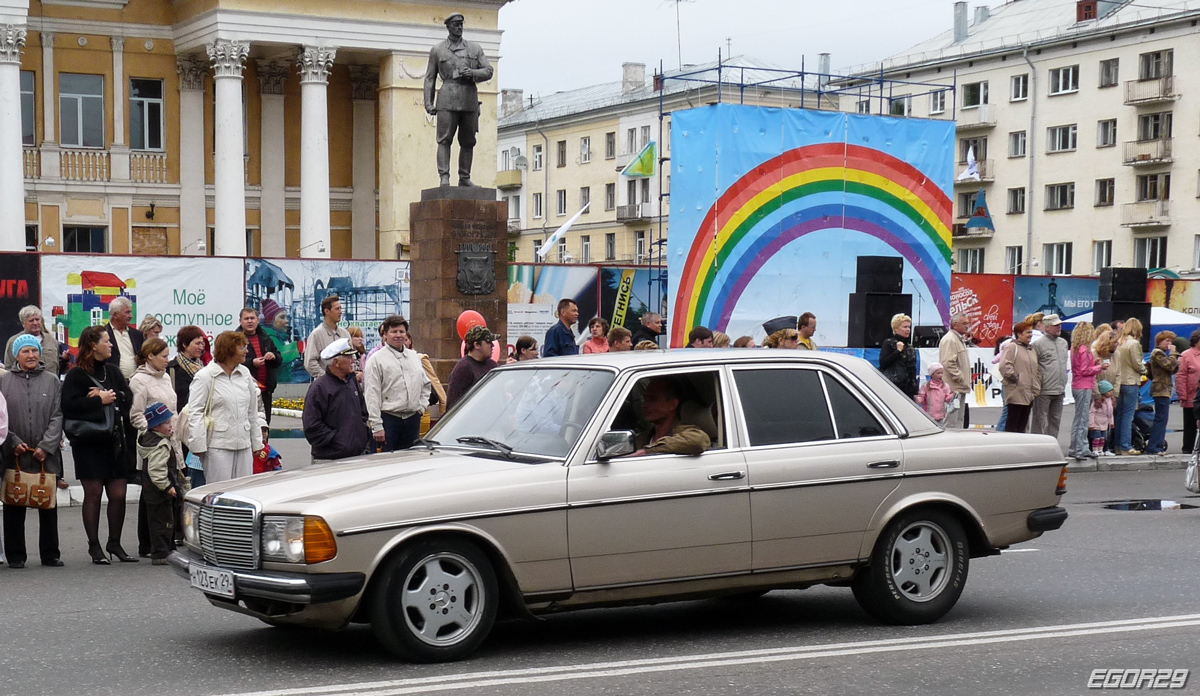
x,y
146,114
31,238
28,117
585,150
537,205
610,196
974,94
645,190
81,108
863,106
1150,252
1061,138
561,153
1154,126
562,250
1106,135
631,141
610,246
970,260
1196,253
1101,255
1064,80
978,145
1019,87
1152,66
631,194
537,158
585,198
639,246
1058,258
1109,73
937,102
537,246
514,208
1014,260
585,249
85,240
966,203
610,145
1016,144
1060,196
1106,191
561,197
1016,200
645,135
1153,187
900,106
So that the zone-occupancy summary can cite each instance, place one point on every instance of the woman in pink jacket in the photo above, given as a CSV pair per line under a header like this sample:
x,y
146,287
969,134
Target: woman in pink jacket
x,y
1186,381
1084,368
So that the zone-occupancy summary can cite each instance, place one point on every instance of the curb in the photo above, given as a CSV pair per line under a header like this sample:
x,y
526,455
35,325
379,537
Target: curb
x,y
1139,463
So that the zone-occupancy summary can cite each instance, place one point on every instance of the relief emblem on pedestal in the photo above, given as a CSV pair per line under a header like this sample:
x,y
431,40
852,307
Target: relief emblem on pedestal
x,y
476,269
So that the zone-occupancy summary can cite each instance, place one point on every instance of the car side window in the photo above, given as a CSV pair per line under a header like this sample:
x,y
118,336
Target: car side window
x,y
783,406
700,405
852,418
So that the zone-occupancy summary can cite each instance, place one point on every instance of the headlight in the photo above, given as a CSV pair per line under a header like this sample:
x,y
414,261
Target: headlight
x,y
283,539
191,533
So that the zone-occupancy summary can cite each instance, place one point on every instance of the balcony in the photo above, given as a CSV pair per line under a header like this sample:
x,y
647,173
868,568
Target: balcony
x,y
960,231
1153,91
85,165
1146,214
148,167
514,225
33,166
637,212
987,172
1141,153
978,118
508,179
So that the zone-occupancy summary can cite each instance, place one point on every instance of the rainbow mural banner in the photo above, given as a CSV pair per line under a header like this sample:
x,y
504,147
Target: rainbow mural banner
x,y
770,209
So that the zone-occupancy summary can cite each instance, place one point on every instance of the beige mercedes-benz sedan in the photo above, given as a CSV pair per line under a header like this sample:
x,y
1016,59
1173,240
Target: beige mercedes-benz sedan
x,y
628,478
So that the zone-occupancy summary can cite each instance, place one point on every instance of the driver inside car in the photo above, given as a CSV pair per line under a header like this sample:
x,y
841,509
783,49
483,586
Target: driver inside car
x,y
666,434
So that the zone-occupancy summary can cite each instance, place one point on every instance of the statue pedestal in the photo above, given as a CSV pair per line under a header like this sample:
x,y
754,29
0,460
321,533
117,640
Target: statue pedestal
x,y
459,259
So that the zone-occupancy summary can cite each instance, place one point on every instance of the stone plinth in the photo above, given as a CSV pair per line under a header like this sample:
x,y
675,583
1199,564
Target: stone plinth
x,y
448,222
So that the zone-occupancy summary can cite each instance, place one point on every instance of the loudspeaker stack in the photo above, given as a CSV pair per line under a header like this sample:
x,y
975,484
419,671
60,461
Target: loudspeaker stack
x,y
877,298
1123,296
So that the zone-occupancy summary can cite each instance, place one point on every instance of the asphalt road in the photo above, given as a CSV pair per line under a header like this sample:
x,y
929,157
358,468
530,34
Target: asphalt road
x,y
1037,620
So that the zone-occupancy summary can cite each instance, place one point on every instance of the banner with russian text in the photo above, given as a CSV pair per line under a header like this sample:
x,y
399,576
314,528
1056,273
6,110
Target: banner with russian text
x,y
19,288
987,300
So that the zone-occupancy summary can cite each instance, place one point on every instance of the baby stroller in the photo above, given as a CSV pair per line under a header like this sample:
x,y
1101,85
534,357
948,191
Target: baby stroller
x,y
1143,419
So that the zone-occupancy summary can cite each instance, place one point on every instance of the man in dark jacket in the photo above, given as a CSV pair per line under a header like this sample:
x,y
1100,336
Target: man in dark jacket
x,y
125,337
560,339
262,357
335,412
650,329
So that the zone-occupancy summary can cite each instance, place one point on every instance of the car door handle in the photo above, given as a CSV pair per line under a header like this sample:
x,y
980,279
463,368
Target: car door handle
x,y
889,464
727,476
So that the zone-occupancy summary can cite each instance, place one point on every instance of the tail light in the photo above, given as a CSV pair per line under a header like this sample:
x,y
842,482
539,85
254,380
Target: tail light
x,y
1062,483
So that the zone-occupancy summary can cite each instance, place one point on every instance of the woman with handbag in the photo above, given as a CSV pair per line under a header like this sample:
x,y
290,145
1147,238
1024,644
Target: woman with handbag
x,y
33,446
150,384
898,358
223,421
95,406
182,369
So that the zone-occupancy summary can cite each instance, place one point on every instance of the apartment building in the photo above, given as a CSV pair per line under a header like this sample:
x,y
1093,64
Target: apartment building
x,y
220,127
558,152
1084,128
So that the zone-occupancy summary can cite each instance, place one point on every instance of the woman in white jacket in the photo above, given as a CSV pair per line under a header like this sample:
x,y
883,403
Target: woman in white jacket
x,y
226,392
150,384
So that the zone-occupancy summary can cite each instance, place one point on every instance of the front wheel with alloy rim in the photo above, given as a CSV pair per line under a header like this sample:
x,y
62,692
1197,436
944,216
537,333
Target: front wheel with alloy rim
x,y
435,601
917,571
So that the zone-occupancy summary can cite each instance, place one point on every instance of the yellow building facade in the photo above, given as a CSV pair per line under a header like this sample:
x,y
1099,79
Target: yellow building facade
x,y
223,127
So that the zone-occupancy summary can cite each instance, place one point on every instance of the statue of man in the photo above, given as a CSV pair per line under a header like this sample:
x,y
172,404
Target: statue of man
x,y
461,64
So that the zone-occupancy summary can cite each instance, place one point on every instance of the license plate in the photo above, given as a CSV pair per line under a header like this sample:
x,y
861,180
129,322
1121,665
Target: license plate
x,y
211,580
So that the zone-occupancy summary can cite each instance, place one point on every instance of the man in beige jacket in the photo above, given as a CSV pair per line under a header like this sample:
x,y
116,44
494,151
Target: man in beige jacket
x,y
956,363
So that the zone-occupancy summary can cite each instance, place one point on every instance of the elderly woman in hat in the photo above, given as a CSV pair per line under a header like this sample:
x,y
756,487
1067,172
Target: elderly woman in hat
x,y
225,394
35,429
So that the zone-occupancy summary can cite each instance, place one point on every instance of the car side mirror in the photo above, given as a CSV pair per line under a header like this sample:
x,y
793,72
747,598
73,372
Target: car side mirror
x,y
615,443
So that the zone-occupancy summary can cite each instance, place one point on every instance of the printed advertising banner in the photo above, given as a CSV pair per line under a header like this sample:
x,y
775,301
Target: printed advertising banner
x,y
534,292
987,300
628,293
799,195
1065,296
19,287
77,289
1179,295
288,295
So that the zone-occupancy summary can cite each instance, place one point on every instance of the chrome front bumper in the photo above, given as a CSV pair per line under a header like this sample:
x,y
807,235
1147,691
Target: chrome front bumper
x,y
294,588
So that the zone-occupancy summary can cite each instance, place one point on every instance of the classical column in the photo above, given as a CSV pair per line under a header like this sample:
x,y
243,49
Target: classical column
x,y
271,77
12,163
50,154
193,214
119,151
229,168
365,81
314,63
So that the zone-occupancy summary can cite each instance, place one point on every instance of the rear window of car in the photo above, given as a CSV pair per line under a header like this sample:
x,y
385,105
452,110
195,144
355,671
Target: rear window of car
x,y
783,406
852,418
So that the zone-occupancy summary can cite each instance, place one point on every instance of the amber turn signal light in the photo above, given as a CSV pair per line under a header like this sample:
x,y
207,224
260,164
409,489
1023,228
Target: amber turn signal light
x,y
1062,482
319,542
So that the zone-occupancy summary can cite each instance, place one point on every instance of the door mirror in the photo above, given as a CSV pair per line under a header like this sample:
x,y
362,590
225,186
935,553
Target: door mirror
x,y
615,443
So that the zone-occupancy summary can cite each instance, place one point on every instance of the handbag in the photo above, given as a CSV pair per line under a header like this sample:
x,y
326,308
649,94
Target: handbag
x,y
1191,479
39,491
78,428
185,429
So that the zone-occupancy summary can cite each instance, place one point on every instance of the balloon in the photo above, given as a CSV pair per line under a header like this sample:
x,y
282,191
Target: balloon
x,y
468,319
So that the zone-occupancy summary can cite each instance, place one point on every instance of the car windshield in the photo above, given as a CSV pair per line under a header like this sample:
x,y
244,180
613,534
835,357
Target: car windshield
x,y
532,411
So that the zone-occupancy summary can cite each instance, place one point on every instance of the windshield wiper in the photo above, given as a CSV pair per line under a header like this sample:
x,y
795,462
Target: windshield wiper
x,y
427,444
494,444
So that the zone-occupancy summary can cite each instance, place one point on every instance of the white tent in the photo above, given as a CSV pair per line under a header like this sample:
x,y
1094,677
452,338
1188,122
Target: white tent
x,y
1159,316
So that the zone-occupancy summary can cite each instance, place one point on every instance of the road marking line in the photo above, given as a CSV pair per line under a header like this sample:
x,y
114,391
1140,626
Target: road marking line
x,y
1019,550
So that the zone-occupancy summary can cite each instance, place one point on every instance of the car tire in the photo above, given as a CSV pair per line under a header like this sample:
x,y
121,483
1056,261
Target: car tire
x,y
917,570
462,601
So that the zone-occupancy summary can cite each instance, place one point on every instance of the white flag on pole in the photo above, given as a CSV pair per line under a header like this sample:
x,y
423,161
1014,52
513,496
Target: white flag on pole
x,y
971,173
552,240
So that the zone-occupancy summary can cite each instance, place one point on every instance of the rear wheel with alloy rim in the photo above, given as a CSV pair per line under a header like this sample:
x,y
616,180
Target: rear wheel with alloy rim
x,y
436,601
918,569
